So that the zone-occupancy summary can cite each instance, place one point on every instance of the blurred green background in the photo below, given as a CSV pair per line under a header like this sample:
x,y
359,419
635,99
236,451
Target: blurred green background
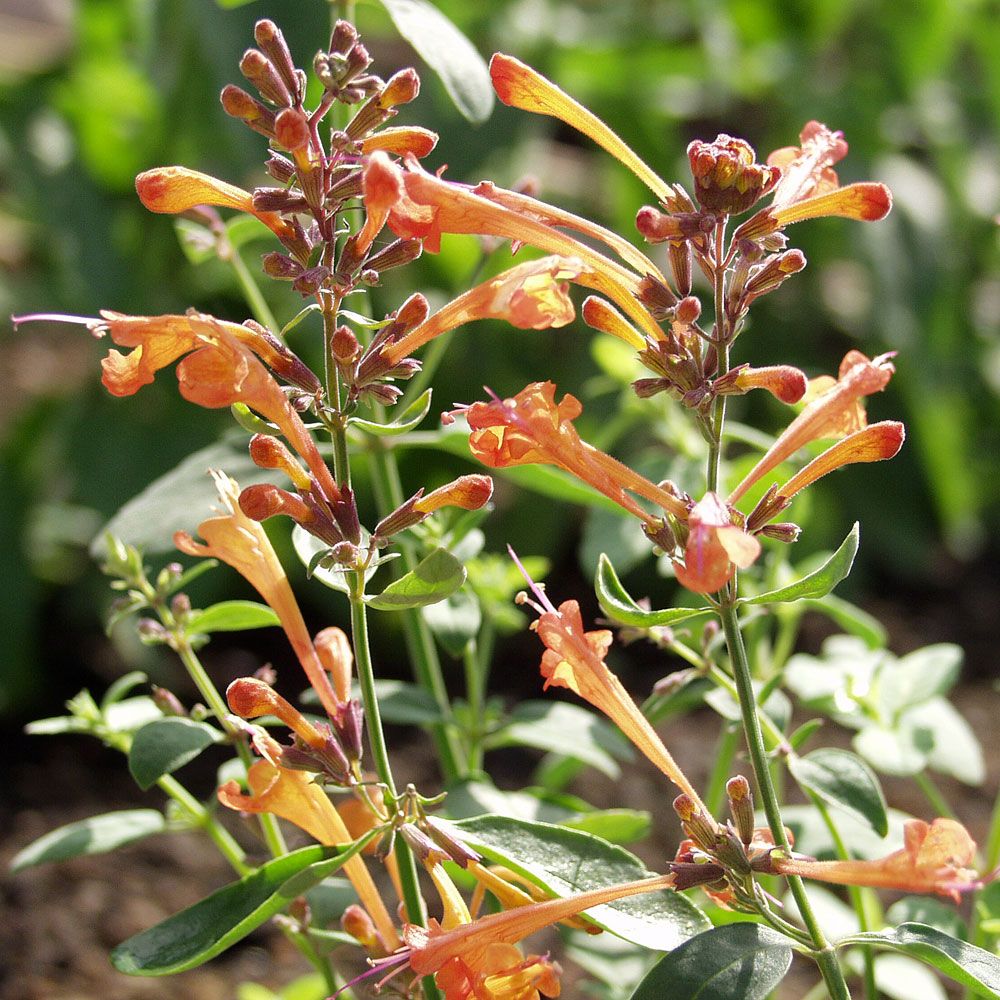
x,y
94,91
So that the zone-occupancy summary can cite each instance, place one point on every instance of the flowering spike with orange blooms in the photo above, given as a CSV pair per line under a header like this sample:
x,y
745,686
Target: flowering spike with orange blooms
x,y
171,190
715,548
530,296
434,206
935,858
294,796
532,429
240,542
574,659
382,188
833,413
519,86
222,368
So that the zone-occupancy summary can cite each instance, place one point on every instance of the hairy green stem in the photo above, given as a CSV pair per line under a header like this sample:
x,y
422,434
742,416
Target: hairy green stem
x,y
823,954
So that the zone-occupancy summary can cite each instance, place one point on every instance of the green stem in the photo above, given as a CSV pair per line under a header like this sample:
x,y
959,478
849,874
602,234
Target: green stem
x,y
475,696
854,893
823,954
203,819
251,291
933,795
419,640
725,751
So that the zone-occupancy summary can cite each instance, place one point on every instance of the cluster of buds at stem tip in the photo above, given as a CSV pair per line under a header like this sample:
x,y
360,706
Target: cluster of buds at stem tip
x,y
467,493
332,750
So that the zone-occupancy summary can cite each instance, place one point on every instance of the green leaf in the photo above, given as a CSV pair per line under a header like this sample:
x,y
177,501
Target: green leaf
x,y
213,924
567,729
566,861
968,965
954,750
918,677
935,913
842,779
233,616
430,581
819,583
310,550
617,826
619,605
405,704
164,745
455,620
851,619
122,687
94,835
448,52
735,962
178,500
408,420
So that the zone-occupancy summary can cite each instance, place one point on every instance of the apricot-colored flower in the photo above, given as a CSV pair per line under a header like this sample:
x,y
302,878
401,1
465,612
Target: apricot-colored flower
x,y
240,542
935,858
835,412
433,206
533,429
401,140
171,190
467,493
293,795
807,169
530,296
522,87
782,381
715,547
222,367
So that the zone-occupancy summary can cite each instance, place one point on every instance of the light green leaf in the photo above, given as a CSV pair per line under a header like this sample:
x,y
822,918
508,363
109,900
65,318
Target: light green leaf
x,y
566,729
736,962
94,835
617,826
405,704
968,965
431,580
213,924
954,750
455,620
620,606
233,616
851,619
408,420
448,52
164,745
935,913
901,751
819,583
843,780
566,861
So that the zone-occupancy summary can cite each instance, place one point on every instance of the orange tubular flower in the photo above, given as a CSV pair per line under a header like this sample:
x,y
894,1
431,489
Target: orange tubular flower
x,y
433,206
532,429
171,190
477,960
522,87
222,368
935,858
401,140
294,796
836,412
530,296
715,547
240,542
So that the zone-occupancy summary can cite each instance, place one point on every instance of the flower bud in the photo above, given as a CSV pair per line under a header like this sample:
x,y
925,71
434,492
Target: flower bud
x,y
279,266
401,88
345,345
741,806
334,651
467,492
396,254
343,37
681,258
655,226
456,849
656,297
774,271
784,531
291,129
349,724
426,851
280,168
237,103
278,200
688,310
269,453
259,70
272,43
697,824
356,922
151,632
311,280
262,501
727,177
167,702
180,606
601,315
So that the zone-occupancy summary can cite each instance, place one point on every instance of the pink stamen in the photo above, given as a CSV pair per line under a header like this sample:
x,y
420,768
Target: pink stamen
x,y
535,588
96,326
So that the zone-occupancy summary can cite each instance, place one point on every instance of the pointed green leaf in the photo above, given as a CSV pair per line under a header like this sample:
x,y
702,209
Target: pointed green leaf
x,y
844,780
566,861
733,962
448,52
408,420
620,606
819,583
430,581
94,835
213,924
164,745
968,965
233,616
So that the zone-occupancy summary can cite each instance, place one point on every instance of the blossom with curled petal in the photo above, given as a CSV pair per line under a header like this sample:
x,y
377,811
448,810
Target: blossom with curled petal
x,y
242,543
715,549
935,858
835,412
530,296
171,190
532,428
401,140
294,796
